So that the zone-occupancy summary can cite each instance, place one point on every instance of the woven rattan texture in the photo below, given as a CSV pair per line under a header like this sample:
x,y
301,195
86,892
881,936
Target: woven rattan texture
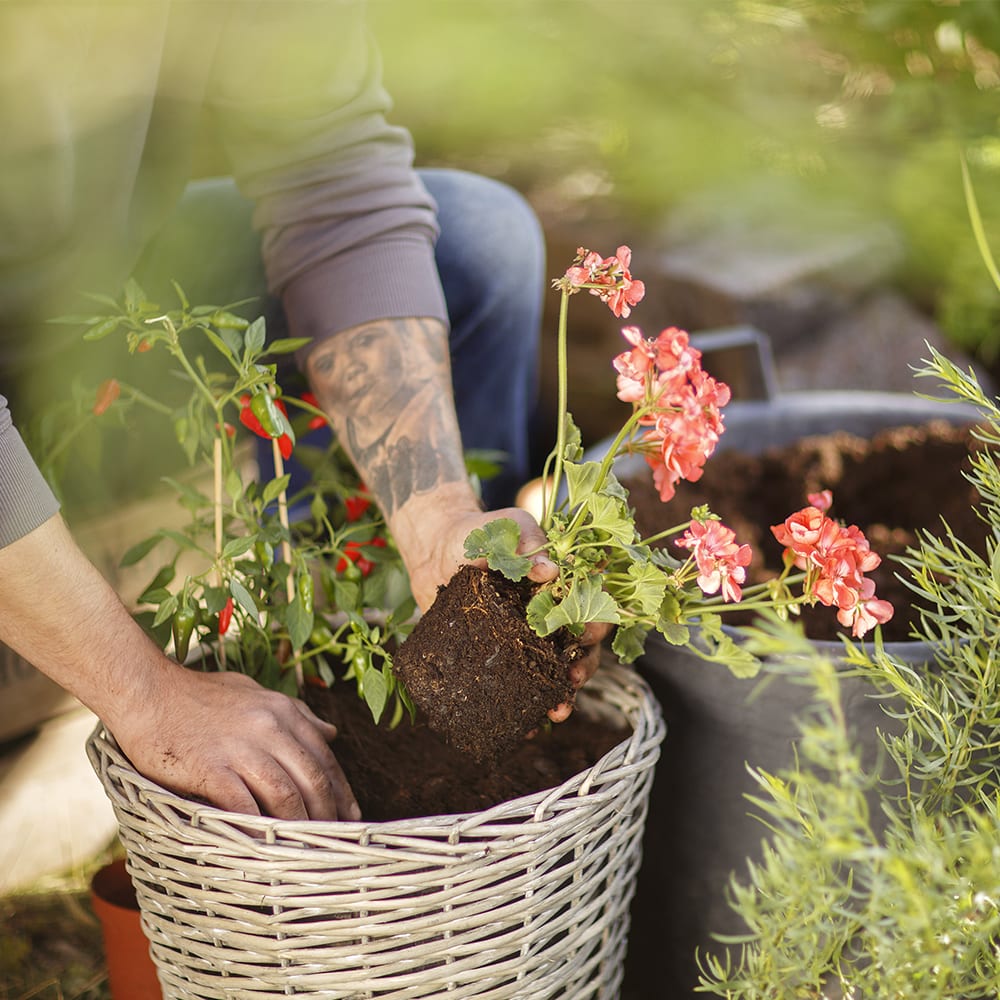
x,y
526,900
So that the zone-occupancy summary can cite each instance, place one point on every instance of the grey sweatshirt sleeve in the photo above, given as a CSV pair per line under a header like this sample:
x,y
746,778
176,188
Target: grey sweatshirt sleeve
x,y
348,229
25,498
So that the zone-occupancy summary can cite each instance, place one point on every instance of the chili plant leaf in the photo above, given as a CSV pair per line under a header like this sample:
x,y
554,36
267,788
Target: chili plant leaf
x,y
140,551
299,622
376,691
244,599
287,345
255,336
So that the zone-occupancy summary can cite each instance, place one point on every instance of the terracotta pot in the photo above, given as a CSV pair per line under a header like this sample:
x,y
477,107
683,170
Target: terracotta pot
x,y
131,972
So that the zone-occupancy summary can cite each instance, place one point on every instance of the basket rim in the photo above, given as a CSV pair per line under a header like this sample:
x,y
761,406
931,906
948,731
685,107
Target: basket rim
x,y
614,684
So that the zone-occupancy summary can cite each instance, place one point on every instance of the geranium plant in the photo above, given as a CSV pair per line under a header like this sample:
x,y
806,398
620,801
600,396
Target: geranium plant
x,y
607,573
285,599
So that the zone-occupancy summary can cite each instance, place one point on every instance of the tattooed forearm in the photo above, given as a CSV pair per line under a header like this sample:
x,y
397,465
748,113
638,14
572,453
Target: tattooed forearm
x,y
386,387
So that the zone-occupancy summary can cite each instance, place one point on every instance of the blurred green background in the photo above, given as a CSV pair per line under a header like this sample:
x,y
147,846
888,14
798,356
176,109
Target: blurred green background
x,y
617,117
617,111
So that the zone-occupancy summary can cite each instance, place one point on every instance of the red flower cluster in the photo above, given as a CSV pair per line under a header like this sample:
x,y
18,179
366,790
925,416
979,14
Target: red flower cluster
x,y
680,402
606,277
835,558
722,563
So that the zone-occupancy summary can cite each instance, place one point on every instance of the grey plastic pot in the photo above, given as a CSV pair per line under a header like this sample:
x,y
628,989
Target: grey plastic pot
x,y
700,828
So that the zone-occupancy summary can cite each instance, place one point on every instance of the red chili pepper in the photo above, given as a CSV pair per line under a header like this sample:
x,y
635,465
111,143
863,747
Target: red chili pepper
x,y
108,391
315,421
353,552
251,421
228,428
356,506
226,616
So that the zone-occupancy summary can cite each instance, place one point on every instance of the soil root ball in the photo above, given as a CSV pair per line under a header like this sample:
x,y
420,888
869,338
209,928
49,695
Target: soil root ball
x,y
478,671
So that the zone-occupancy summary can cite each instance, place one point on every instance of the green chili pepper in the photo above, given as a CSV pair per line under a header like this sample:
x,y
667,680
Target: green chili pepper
x,y
304,584
185,619
321,635
263,408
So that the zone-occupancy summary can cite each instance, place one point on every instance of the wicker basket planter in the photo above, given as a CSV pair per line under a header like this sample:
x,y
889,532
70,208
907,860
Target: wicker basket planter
x,y
527,899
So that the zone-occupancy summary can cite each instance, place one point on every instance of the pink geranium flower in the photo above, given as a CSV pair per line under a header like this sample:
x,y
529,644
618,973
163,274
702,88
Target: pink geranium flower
x,y
836,558
720,560
608,278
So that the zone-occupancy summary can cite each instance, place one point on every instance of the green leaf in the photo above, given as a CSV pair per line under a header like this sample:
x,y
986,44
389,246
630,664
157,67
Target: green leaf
x,y
163,577
629,642
299,622
140,550
573,448
497,542
670,625
650,587
234,485
135,297
244,599
587,601
538,610
255,336
273,489
221,344
165,611
610,515
236,547
287,345
376,691
103,329
581,481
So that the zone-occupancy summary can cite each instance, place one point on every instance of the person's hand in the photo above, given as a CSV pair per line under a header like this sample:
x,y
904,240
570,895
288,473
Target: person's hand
x,y
226,740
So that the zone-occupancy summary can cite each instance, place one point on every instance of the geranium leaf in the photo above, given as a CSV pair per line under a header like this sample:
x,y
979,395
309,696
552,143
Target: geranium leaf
x,y
581,480
587,601
610,515
629,642
650,587
496,542
537,611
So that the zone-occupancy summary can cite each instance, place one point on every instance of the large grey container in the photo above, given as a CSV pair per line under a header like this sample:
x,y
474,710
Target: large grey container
x,y
700,828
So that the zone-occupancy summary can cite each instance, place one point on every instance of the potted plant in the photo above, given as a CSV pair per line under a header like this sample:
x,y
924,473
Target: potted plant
x,y
901,901
531,893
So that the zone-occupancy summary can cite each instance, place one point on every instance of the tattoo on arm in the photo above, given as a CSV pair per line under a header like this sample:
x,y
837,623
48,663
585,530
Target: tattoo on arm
x,y
387,389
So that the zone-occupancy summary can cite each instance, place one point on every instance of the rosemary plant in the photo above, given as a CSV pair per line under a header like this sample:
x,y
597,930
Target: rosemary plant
x,y
845,903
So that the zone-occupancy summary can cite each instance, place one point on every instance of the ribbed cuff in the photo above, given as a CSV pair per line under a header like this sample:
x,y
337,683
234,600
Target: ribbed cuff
x,y
26,501
384,281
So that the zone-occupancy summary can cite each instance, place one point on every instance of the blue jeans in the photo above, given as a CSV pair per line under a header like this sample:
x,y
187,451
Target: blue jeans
x,y
491,259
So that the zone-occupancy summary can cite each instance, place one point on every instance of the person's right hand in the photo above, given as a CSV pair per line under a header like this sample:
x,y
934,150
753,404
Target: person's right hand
x,y
225,739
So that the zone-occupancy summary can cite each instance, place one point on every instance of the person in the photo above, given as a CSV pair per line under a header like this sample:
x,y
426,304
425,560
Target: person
x,y
103,106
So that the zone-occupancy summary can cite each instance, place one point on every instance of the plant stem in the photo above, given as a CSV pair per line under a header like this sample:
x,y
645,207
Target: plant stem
x,y
550,499
286,546
217,498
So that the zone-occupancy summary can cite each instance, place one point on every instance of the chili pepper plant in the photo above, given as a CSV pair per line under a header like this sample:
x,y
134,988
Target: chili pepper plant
x,y
286,598
607,572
